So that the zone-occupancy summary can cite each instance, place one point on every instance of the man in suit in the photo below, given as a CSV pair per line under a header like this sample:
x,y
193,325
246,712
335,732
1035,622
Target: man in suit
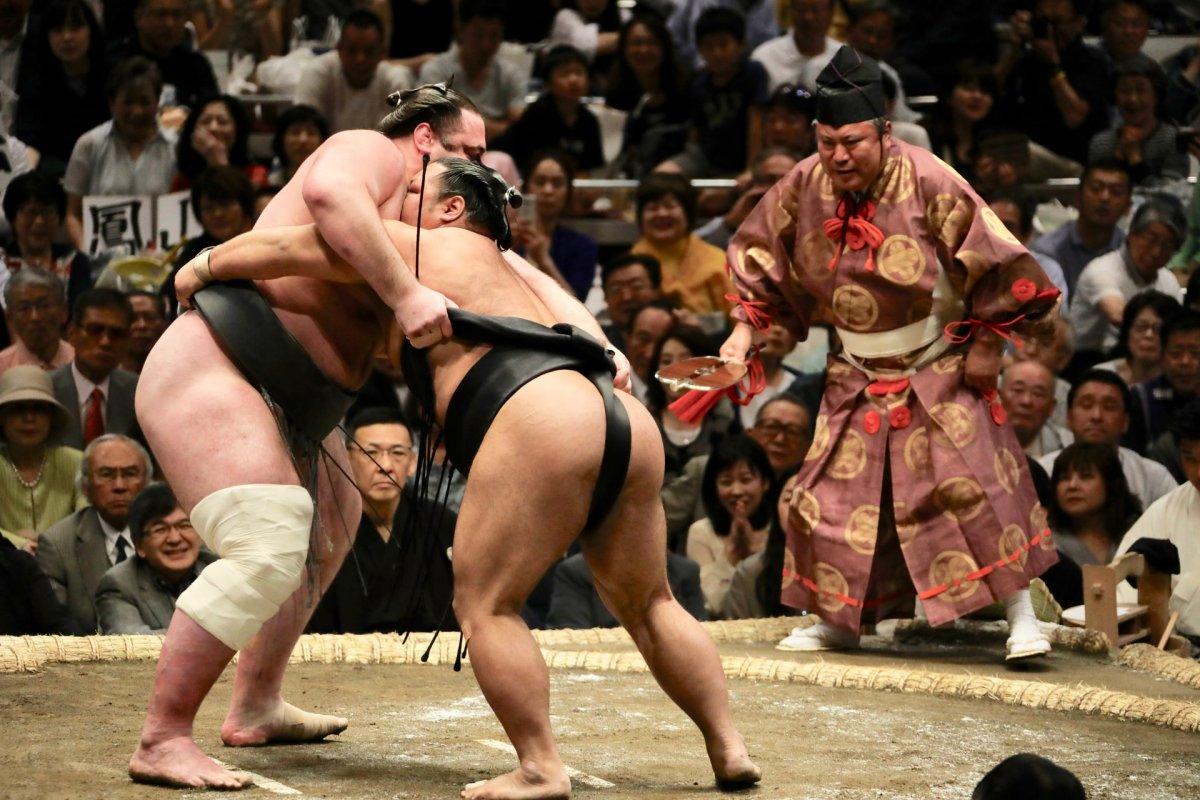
x,y
77,551
98,395
138,595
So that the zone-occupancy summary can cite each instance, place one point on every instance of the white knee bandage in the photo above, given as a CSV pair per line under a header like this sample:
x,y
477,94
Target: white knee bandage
x,y
261,533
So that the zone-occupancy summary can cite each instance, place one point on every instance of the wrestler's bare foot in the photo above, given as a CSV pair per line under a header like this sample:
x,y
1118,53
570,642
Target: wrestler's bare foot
x,y
278,723
181,763
527,782
732,765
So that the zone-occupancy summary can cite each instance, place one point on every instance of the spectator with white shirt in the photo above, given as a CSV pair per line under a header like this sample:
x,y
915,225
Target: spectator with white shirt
x,y
800,54
1027,391
77,551
350,85
1109,282
1098,413
761,24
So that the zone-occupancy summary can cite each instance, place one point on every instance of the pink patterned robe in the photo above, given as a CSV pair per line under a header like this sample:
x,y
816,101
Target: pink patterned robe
x,y
914,480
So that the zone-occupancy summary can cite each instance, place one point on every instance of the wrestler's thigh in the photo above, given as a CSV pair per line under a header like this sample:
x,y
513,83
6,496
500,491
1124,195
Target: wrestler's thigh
x,y
529,490
208,428
627,554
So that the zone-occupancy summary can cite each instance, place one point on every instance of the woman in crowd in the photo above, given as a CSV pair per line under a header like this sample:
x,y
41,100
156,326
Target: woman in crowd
x,y
1091,507
757,582
36,205
37,478
216,134
692,269
955,127
1139,348
299,131
67,97
738,495
649,83
554,249
1140,139
593,27
683,441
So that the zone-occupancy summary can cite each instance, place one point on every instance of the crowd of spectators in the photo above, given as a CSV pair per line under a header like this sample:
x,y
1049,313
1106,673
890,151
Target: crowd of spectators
x,y
1077,120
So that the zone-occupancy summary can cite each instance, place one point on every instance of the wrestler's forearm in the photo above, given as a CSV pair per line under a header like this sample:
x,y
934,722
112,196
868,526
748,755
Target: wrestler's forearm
x,y
561,305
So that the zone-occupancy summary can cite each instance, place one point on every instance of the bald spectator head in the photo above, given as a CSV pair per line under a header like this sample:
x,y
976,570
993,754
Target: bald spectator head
x,y
1027,392
782,428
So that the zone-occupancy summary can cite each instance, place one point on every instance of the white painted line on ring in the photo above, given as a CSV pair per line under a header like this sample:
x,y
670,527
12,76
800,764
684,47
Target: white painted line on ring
x,y
582,777
262,781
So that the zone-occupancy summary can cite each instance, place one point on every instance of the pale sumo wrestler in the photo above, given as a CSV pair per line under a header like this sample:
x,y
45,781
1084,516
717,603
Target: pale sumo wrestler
x,y
219,443
505,538
914,483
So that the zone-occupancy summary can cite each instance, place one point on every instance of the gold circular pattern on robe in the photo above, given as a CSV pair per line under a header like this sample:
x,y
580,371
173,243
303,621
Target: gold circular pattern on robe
x,y
1013,540
949,217
849,457
997,226
862,529
782,219
815,252
947,364
823,181
906,526
951,566
916,451
808,507
1039,520
955,425
820,439
755,261
830,582
961,499
855,307
898,183
1008,472
789,568
900,259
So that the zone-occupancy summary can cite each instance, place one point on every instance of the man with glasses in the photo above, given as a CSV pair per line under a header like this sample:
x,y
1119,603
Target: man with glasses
x,y
38,312
97,393
385,585
138,594
630,281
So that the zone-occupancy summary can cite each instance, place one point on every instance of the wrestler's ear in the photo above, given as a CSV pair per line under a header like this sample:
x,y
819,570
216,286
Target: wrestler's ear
x,y
452,209
423,138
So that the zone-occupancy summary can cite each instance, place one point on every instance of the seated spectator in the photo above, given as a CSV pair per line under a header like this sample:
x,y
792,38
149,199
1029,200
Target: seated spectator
x,y
761,24
756,585
1187,258
783,429
1027,391
19,62
1124,27
629,282
349,86
800,54
1001,160
161,35
1139,344
558,119
1098,413
1162,397
39,313
1029,777
130,154
1176,518
36,206
138,595
649,83
692,269
955,124
67,97
216,134
16,159
299,131
738,493
37,484
1091,508
388,583
593,27
726,100
770,166
1102,199
1058,87
777,343
1054,351
496,86
77,551
1183,84
550,246
28,606
1109,282
97,394
149,322
1140,140
647,325
575,603
683,441
788,121
1015,207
